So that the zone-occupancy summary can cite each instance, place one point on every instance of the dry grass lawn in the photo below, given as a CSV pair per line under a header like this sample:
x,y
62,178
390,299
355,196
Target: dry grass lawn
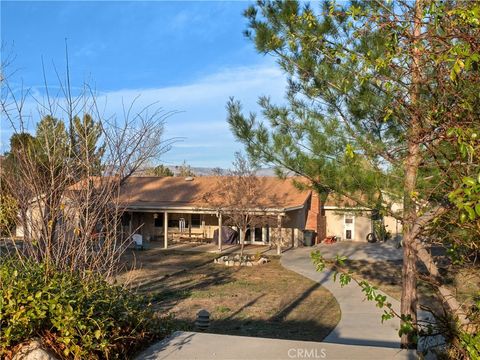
x,y
264,301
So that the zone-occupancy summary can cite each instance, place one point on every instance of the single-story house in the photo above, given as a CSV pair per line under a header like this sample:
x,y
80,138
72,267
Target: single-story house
x,y
168,207
161,208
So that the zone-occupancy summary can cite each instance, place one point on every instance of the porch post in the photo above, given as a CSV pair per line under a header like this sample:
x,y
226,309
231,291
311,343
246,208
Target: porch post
x,y
220,232
264,234
295,237
279,235
189,226
130,223
165,229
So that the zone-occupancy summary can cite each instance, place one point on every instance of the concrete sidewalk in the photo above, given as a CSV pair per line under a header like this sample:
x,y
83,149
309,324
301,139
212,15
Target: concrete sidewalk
x,y
203,346
360,322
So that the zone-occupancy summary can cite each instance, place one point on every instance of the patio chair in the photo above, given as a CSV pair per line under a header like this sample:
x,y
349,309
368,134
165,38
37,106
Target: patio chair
x,y
138,240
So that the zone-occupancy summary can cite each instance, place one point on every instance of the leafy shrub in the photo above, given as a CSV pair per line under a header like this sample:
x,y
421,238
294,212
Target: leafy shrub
x,y
77,318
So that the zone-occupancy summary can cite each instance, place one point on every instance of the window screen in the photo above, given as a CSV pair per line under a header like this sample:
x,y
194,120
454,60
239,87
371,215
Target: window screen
x,y
159,221
196,220
173,223
126,219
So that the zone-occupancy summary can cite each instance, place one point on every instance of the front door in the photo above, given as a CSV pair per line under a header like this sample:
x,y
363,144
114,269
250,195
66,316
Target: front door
x,y
349,227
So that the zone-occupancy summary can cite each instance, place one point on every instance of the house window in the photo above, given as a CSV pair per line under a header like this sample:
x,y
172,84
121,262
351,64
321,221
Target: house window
x,y
348,234
196,220
158,221
173,223
258,234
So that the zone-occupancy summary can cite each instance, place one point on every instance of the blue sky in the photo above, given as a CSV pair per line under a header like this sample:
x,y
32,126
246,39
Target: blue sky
x,y
187,56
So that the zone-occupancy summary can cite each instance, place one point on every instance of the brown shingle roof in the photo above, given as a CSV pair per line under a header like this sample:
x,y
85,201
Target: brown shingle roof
x,y
177,192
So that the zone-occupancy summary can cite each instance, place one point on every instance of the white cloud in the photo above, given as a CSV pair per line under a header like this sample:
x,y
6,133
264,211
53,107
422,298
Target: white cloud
x,y
202,118
201,121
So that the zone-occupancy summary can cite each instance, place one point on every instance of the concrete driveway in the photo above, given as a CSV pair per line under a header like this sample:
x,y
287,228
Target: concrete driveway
x,y
355,250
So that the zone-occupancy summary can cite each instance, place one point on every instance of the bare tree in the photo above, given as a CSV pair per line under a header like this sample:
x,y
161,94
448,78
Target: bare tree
x,y
239,198
68,200
217,171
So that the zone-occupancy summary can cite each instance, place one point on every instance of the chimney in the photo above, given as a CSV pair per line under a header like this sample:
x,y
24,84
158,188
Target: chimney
x,y
316,219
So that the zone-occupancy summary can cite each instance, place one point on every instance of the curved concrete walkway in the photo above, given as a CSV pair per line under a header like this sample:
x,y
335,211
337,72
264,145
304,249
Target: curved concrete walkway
x,y
203,346
360,322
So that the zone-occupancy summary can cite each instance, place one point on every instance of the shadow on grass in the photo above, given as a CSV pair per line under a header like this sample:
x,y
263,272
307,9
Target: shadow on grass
x,y
153,284
387,272
278,326
306,330
168,291
283,313
292,319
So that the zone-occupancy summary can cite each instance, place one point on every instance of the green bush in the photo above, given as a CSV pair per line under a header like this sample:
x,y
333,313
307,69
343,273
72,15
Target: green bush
x,y
77,318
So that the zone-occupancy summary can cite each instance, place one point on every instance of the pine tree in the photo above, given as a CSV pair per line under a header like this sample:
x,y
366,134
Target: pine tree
x,y
87,147
377,95
160,170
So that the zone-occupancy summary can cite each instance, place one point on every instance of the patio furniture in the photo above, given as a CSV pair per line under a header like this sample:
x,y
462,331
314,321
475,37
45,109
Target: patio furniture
x,y
138,240
330,240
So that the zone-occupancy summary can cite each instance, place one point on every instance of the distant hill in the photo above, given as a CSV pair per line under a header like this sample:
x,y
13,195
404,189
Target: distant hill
x,y
207,171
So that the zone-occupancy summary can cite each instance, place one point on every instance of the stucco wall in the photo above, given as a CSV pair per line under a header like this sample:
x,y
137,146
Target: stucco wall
x,y
335,224
394,226
363,224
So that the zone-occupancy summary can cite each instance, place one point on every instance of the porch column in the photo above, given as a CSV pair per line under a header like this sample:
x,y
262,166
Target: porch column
x,y
279,235
220,232
264,234
165,229
130,220
190,226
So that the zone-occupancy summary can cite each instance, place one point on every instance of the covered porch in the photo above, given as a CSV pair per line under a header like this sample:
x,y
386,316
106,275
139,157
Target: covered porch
x,y
196,247
194,229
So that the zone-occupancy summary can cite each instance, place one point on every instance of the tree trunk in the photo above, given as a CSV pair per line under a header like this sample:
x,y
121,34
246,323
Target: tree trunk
x,y
408,307
243,232
26,232
448,297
